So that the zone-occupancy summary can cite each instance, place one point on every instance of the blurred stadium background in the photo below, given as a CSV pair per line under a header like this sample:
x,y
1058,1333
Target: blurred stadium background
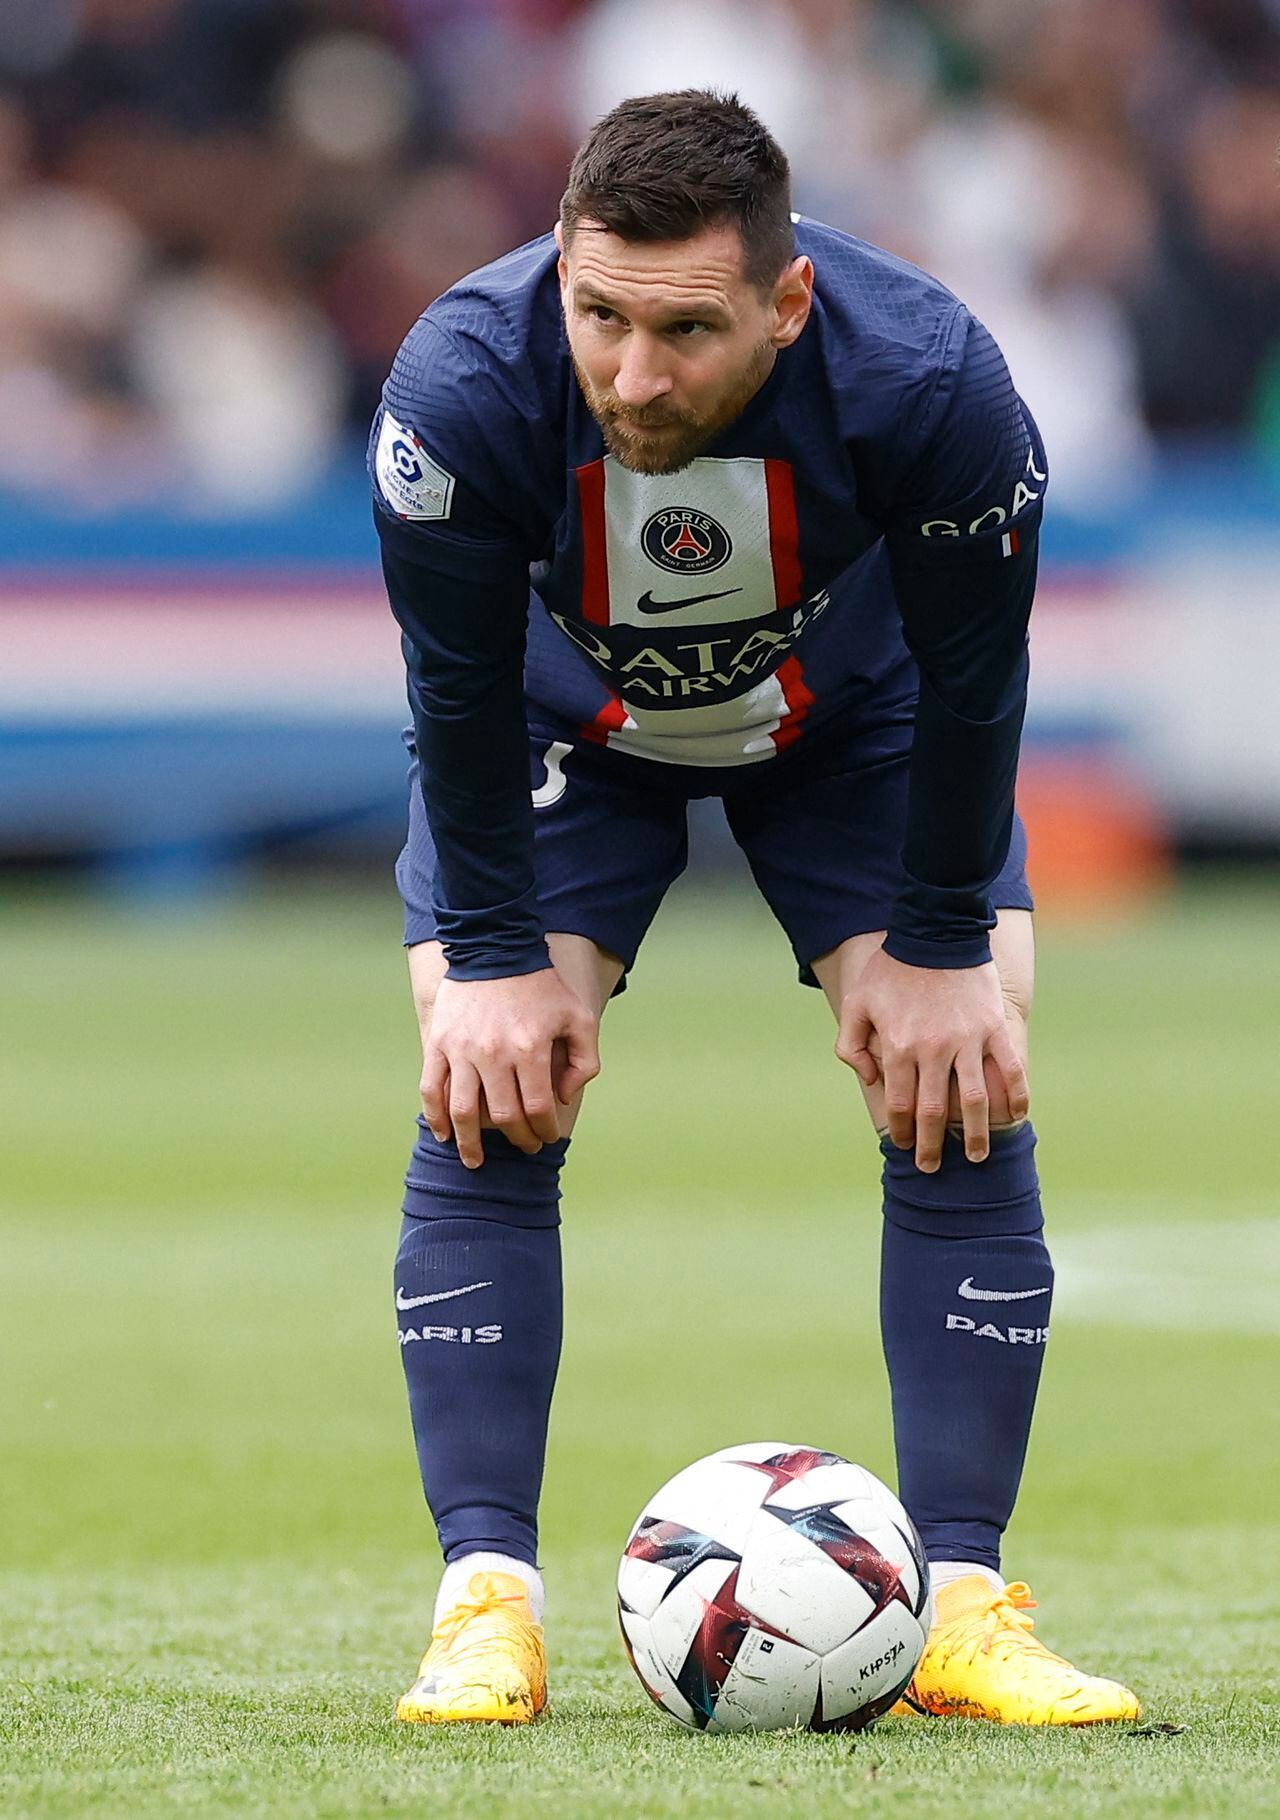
x,y
217,219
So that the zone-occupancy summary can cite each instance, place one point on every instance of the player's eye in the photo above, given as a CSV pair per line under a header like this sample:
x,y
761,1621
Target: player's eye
x,y
688,329
600,312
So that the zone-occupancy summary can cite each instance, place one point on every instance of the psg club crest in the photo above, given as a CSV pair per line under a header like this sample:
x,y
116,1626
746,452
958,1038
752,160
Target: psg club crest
x,y
685,542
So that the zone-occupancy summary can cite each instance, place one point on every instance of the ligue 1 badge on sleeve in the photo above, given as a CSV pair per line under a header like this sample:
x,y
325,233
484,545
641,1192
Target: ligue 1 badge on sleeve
x,y
413,485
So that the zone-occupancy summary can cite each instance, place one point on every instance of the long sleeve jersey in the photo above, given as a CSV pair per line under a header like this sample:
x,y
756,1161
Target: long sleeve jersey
x,y
863,536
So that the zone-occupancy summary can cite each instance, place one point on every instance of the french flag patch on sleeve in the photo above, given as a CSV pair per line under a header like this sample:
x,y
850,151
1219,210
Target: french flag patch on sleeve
x,y
1010,543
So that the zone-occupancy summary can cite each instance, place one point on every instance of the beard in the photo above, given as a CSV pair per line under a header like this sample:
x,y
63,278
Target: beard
x,y
654,438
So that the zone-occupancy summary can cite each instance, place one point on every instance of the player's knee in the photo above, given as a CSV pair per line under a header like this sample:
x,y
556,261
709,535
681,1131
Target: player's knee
x,y
999,1112
426,970
1013,948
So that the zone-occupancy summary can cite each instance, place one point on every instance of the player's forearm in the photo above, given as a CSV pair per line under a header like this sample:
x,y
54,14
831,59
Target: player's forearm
x,y
965,618
959,821
466,691
474,767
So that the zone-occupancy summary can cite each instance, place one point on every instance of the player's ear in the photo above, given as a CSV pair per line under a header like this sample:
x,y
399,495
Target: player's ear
x,y
562,266
792,301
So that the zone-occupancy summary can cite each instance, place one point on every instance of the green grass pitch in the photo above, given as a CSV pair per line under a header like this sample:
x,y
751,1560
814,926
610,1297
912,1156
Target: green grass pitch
x,y
215,1572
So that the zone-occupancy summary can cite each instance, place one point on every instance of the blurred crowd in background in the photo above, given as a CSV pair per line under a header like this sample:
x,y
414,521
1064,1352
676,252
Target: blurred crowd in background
x,y
219,217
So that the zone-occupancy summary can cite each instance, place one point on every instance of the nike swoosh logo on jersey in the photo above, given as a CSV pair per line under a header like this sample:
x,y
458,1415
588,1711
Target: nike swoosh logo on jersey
x,y
971,1294
647,604
441,1295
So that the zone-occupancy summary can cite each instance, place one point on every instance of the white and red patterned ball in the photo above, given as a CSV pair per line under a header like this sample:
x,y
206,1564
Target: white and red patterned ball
x,y
772,1586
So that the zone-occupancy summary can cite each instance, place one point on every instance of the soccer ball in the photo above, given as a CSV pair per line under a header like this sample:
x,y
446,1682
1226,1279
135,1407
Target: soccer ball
x,y
770,1586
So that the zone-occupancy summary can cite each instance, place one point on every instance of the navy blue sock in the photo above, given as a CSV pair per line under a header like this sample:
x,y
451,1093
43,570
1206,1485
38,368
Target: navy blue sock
x,y
965,1287
478,1305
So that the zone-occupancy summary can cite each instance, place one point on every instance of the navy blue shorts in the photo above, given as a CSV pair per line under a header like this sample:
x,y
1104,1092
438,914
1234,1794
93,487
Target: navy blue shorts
x,y
821,828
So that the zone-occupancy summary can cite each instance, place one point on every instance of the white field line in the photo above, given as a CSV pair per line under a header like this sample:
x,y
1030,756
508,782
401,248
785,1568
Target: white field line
x,y
1207,1276
1136,1269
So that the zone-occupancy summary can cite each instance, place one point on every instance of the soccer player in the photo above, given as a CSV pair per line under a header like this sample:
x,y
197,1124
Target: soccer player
x,y
698,498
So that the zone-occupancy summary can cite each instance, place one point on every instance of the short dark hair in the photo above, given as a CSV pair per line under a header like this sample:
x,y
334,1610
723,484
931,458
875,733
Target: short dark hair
x,y
664,167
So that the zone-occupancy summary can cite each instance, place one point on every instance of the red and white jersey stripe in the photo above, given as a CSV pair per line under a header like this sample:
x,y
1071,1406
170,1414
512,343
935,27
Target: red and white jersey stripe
x,y
692,562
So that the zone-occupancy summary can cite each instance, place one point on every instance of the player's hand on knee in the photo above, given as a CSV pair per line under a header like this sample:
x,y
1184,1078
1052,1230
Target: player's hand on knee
x,y
505,1053
931,1026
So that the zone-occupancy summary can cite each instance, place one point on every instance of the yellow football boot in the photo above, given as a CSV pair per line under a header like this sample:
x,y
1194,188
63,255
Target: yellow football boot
x,y
485,1661
982,1662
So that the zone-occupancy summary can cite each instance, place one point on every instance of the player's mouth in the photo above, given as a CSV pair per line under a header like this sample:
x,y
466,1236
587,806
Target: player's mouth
x,y
648,429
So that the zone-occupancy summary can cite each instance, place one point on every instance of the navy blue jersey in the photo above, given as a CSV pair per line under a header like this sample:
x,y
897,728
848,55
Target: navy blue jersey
x,y
862,536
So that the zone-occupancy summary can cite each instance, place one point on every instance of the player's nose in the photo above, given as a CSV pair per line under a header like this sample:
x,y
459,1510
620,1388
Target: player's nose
x,y
640,378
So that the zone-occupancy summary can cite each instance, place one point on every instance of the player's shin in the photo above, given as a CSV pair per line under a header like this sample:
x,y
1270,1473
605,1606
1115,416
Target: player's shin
x,y
966,1284
478,1307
